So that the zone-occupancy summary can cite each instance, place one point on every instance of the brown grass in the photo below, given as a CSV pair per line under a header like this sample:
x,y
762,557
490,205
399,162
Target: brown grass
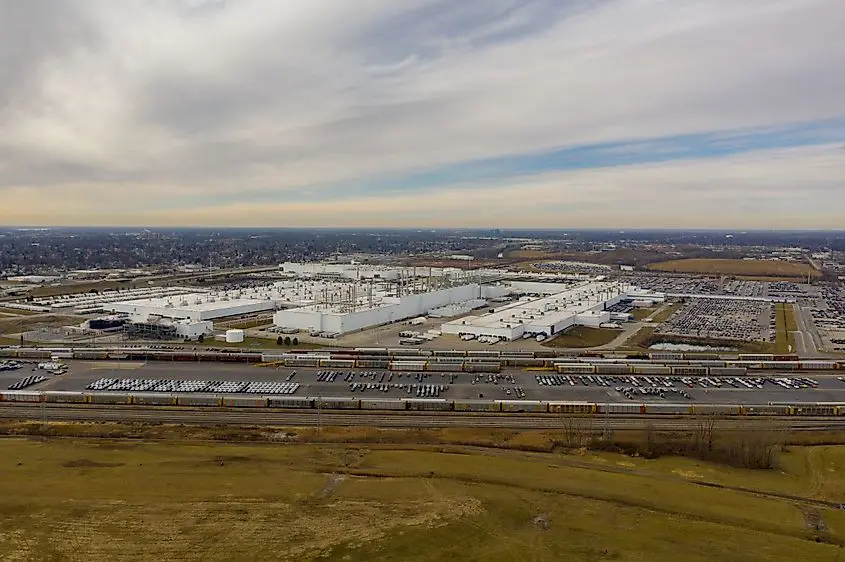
x,y
760,268
583,336
98,500
28,323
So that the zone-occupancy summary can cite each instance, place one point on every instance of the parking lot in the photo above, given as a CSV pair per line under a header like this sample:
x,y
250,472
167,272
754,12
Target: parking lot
x,y
234,380
208,387
659,387
724,319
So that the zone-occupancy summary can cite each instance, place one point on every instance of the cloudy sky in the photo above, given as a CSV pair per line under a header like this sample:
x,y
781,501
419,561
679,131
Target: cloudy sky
x,y
437,113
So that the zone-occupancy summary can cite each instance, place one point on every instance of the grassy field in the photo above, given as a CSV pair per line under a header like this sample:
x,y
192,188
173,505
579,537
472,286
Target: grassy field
x,y
17,311
666,312
93,500
9,325
761,268
642,313
260,343
785,325
639,340
530,254
584,336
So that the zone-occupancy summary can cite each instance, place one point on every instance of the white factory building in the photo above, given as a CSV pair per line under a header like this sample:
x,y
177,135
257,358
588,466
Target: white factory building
x,y
340,319
361,271
195,306
579,304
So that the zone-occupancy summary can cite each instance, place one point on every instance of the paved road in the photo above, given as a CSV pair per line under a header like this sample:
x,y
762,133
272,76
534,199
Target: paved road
x,y
199,416
805,343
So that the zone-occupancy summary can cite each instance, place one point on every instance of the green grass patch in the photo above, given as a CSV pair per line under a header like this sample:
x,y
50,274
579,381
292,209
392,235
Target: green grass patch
x,y
785,325
642,313
584,336
666,312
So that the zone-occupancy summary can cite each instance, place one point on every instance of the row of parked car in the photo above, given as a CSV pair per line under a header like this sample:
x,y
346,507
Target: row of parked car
x,y
27,381
638,393
786,383
168,385
419,390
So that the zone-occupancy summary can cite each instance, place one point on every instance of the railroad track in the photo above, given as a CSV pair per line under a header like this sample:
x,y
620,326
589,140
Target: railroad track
x,y
242,417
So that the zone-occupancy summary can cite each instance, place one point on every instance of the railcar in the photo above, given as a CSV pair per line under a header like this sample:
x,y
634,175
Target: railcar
x,y
575,368
482,367
333,403
477,406
244,402
154,399
109,398
764,410
667,408
523,406
428,404
716,409
337,363
297,402
64,397
381,404
572,408
621,408
815,410
690,371
612,369
22,396
199,400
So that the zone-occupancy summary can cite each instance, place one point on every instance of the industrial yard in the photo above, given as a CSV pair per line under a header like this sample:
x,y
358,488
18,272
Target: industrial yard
x,y
446,383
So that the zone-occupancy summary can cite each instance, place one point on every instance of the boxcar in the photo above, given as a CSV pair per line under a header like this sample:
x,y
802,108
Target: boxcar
x,y
109,398
244,402
667,408
432,404
331,403
199,400
62,397
381,404
572,408
717,409
765,410
621,408
815,410
290,402
523,406
482,367
477,406
154,399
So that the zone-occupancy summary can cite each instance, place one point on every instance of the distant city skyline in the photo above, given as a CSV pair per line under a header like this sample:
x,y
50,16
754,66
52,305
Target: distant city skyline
x,y
424,113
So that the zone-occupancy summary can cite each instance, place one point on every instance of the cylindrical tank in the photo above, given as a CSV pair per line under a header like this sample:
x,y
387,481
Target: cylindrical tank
x,y
234,336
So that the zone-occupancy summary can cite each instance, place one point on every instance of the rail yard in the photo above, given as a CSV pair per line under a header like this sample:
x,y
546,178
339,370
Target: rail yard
x,y
376,381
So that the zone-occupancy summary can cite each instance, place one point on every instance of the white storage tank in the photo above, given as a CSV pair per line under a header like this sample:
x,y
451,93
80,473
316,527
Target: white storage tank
x,y
234,336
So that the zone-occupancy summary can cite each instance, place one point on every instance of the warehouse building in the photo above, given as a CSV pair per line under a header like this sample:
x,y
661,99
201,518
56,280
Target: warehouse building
x,y
194,306
342,318
581,304
158,328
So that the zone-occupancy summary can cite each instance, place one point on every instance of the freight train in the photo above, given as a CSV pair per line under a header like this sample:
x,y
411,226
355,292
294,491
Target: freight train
x,y
420,405
459,360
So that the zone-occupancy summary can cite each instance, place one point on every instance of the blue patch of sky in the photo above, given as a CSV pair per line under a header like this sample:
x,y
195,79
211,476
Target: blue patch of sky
x,y
482,172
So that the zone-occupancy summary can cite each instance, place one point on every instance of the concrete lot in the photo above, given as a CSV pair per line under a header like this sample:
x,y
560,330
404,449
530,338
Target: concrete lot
x,y
80,374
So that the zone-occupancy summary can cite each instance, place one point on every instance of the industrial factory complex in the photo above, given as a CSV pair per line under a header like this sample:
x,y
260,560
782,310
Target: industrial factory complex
x,y
336,299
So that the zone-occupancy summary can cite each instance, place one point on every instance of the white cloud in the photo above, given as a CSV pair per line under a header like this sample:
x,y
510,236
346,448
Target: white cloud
x,y
160,102
798,188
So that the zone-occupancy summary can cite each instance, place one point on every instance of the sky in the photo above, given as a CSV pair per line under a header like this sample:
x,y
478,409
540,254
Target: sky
x,y
423,113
